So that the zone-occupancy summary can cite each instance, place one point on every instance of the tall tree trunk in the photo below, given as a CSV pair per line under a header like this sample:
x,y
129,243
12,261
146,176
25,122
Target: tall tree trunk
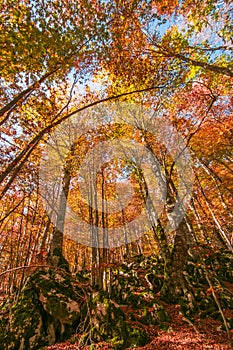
x,y
174,281
175,284
55,256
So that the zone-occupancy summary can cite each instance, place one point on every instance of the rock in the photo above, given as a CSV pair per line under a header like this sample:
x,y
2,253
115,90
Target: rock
x,y
109,323
48,310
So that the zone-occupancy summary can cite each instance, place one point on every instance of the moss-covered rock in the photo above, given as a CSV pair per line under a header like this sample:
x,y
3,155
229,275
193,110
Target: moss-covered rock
x,y
108,322
48,310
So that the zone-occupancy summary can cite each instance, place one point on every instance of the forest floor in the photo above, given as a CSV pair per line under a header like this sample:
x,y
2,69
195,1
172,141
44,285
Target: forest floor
x,y
182,335
134,315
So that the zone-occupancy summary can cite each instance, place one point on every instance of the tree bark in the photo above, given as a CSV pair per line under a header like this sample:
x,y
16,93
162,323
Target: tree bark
x,y
55,256
174,281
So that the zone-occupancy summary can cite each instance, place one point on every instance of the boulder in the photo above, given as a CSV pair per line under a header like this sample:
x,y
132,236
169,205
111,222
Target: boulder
x,y
48,310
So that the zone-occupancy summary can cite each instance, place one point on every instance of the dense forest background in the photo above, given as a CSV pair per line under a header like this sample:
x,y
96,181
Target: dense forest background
x,y
144,89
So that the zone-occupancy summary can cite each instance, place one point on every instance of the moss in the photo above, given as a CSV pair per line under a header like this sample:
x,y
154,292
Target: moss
x,y
207,303
47,311
136,337
108,323
216,315
163,316
25,328
209,312
56,307
83,276
166,295
230,321
3,326
116,343
226,300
